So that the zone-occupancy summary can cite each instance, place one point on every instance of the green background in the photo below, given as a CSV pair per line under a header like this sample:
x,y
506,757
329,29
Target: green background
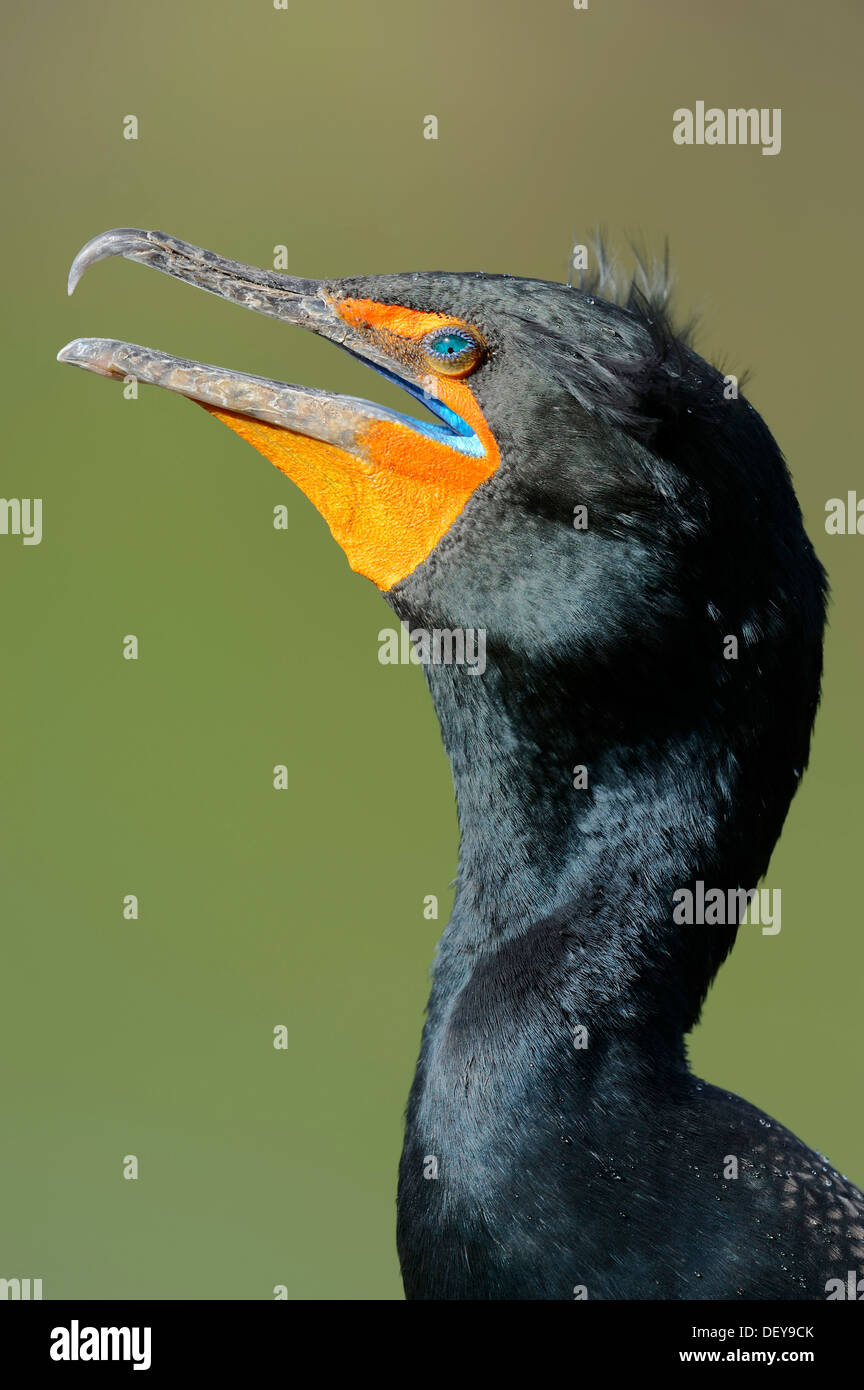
x,y
304,908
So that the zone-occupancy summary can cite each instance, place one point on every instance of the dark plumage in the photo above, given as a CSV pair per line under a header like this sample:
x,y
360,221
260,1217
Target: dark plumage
x,y
604,1167
532,1167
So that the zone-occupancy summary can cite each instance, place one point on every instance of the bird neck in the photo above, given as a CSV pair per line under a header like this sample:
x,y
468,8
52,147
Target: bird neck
x,y
562,986
579,819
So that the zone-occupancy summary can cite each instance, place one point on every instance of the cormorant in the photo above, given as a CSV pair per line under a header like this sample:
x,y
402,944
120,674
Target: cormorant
x,y
620,524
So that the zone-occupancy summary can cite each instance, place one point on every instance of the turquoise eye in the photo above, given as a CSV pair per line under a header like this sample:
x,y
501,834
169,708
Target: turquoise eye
x,y
450,344
454,351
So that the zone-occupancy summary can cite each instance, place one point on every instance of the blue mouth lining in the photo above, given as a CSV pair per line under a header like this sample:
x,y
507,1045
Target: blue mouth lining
x,y
455,432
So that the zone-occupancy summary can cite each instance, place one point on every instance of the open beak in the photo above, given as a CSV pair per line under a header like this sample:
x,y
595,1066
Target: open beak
x,y
319,414
388,485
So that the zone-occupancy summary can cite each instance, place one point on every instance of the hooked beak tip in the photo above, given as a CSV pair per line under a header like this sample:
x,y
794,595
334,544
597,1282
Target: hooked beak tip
x,y
119,241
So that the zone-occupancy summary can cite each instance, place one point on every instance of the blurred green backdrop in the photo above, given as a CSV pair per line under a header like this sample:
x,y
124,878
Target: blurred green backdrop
x,y
260,127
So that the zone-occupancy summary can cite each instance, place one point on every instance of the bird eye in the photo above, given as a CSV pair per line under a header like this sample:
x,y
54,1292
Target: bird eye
x,y
453,351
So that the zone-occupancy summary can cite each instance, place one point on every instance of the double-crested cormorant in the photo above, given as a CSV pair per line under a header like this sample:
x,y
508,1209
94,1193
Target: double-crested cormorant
x,y
620,524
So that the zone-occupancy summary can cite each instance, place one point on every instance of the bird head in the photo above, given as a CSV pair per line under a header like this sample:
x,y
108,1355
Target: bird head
x,y
586,488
